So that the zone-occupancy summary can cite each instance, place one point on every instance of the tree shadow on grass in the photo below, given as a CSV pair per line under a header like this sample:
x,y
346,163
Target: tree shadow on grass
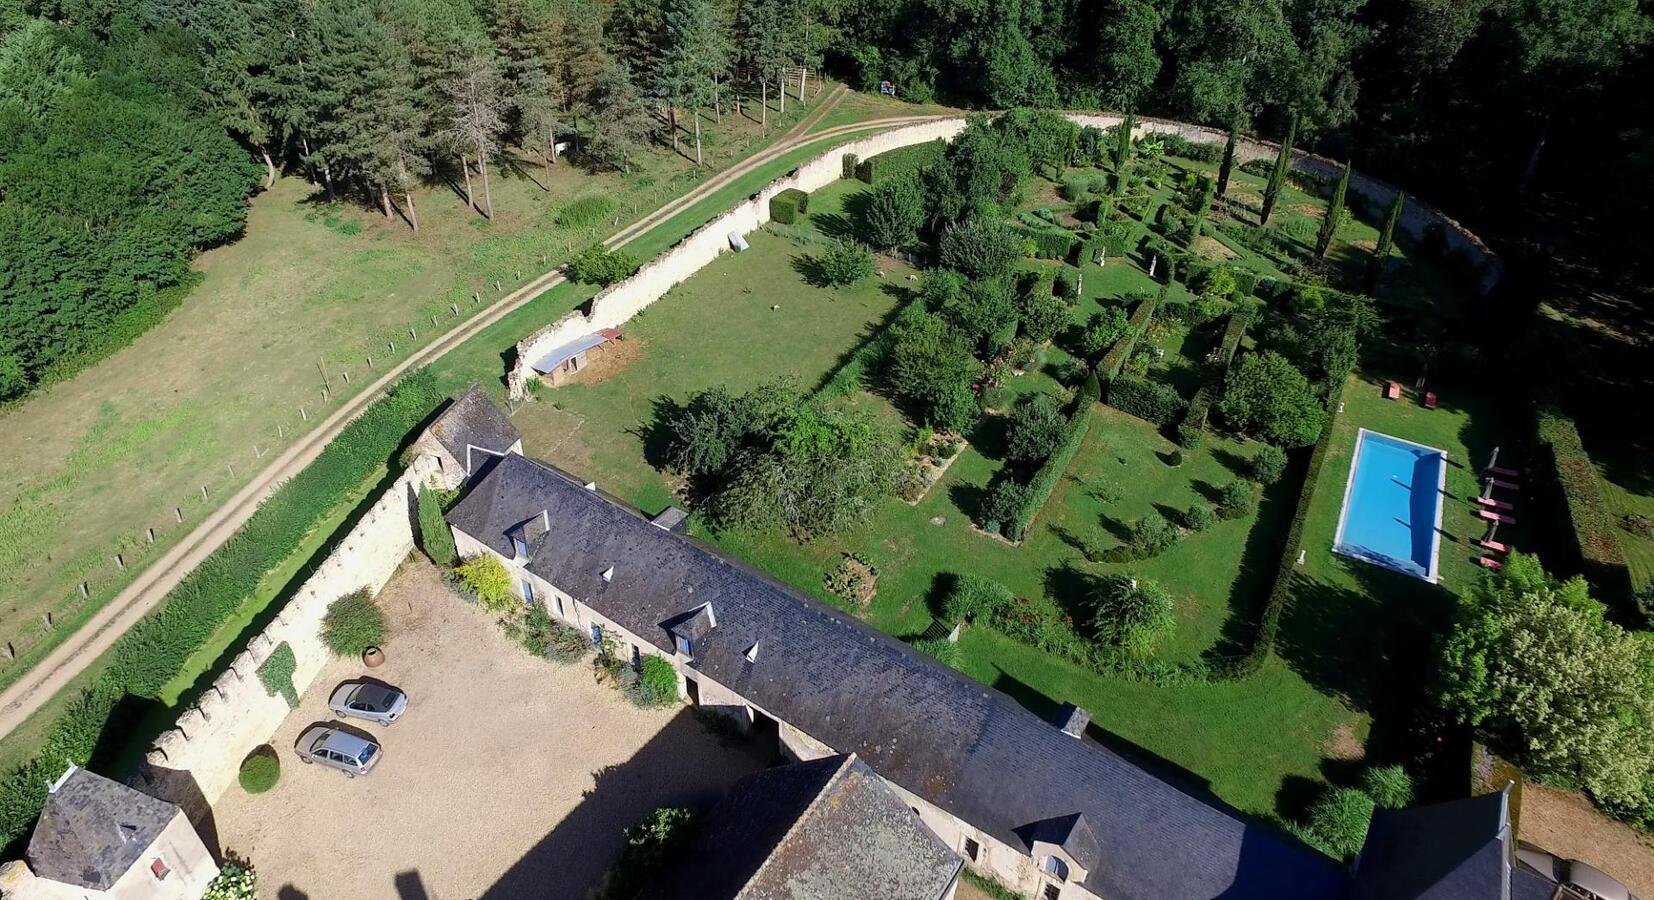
x,y
1254,579
834,225
989,437
1207,490
1072,589
1120,529
1239,465
968,499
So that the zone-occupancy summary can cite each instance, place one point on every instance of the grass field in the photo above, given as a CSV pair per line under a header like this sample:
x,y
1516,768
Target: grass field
x,y
295,306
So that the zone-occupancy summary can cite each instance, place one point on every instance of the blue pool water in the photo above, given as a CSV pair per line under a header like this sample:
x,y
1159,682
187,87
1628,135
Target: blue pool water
x,y
1392,504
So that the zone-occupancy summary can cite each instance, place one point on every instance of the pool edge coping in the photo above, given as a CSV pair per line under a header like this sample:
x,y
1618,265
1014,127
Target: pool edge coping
x,y
1434,574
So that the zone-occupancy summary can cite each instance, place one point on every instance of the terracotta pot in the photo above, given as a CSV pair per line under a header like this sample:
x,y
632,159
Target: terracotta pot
x,y
373,657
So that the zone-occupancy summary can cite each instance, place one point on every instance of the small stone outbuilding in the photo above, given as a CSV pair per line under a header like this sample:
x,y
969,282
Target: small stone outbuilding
x,y
99,839
468,438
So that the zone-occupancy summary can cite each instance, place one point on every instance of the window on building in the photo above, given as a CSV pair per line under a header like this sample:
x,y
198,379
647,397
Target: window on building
x,y
1056,867
1052,892
528,590
684,646
972,848
519,547
159,869
597,636
637,659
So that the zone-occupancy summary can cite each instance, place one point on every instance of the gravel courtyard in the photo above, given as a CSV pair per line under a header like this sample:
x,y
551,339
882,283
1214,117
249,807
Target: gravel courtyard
x,y
508,776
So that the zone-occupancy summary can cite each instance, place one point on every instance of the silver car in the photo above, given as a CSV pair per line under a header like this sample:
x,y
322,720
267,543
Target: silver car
x,y
369,700
342,750
1577,879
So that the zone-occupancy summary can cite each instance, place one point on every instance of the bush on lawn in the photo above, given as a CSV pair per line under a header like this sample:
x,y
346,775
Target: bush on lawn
x,y
1034,429
1005,501
435,538
975,598
1151,536
486,578
843,263
1389,786
1043,315
895,210
1269,464
1148,400
940,649
1102,331
276,674
1337,823
260,770
1235,500
1131,616
352,624
788,205
233,882
598,264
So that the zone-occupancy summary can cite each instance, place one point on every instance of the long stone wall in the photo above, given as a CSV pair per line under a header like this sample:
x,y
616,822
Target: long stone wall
x,y
193,763
618,303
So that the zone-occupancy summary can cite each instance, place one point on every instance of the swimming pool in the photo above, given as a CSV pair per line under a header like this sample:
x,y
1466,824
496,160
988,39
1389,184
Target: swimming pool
x,y
1393,505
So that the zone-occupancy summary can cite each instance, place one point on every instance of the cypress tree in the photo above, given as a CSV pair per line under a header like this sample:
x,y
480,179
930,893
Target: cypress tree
x,y
1122,141
1227,167
1277,177
1386,241
1203,206
1335,211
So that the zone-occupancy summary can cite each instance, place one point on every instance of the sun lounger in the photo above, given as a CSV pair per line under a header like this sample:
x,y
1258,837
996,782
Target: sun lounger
x,y
1495,546
1491,503
1392,391
1429,399
1507,485
1508,473
1488,562
1496,517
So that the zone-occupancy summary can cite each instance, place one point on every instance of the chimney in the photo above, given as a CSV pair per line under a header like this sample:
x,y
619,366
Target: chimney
x,y
1072,720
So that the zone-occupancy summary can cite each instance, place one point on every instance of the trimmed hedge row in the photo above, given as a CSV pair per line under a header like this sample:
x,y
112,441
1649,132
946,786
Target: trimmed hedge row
x,y
156,649
1148,400
1270,621
1115,359
788,205
1048,243
1598,552
1045,480
1192,429
900,161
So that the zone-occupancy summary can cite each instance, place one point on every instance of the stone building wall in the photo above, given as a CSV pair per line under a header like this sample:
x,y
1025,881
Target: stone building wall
x,y
193,763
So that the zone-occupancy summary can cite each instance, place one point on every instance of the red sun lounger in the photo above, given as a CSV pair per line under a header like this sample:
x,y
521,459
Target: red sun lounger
x,y
1488,562
1392,391
1495,517
1495,546
1507,485
1498,470
1429,399
1491,503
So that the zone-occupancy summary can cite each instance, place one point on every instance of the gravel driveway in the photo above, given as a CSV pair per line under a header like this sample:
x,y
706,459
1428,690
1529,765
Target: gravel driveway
x,y
507,777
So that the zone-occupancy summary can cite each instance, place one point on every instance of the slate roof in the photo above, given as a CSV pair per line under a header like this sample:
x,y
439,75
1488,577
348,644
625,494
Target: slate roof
x,y
474,420
829,829
1458,850
964,747
93,829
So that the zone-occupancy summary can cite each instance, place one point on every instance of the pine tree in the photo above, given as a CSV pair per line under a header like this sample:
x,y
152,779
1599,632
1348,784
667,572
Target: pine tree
x,y
476,106
697,52
1335,212
1277,176
774,35
1386,241
620,118
1227,167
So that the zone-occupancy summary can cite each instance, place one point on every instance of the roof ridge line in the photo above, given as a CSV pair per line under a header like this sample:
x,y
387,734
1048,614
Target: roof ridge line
x,y
803,815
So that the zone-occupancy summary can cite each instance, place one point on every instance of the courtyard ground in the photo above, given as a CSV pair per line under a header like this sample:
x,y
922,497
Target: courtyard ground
x,y
508,777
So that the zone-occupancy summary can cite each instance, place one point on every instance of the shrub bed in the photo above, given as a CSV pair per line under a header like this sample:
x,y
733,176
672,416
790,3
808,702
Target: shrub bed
x,y
788,205
1594,544
1148,400
1048,243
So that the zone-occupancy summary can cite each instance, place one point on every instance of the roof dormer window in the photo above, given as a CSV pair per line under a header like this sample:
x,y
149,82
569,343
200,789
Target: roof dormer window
x,y
685,646
519,548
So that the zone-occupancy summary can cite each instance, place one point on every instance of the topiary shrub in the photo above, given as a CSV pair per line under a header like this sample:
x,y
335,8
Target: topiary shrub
x,y
1151,536
1269,464
656,684
598,264
843,263
486,578
434,537
1131,616
260,770
1389,786
234,882
1234,500
1003,504
1199,517
353,624
788,205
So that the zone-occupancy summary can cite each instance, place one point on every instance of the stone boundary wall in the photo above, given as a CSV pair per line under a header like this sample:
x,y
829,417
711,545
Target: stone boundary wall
x,y
193,763
614,305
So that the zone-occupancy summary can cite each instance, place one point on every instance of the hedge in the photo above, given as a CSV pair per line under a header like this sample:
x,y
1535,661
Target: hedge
x,y
788,205
900,161
1148,400
1048,243
260,770
850,160
434,537
1193,427
1281,593
1045,480
1595,546
1115,359
1192,430
156,649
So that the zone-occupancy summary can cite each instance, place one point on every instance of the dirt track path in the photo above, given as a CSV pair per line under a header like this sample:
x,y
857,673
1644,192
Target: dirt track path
x,y
70,658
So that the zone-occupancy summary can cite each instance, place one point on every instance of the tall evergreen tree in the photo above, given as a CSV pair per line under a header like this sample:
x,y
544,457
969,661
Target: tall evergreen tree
x,y
1205,190
774,36
1226,168
621,121
1335,212
476,102
1277,175
1386,241
1122,141
698,50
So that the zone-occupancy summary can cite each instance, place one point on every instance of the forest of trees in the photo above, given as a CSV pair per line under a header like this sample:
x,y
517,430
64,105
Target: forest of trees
x,y
131,134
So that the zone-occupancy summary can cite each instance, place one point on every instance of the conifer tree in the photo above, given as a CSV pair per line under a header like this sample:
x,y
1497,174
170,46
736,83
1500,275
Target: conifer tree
x,y
1335,212
1227,166
620,118
476,102
697,52
1277,176
1205,190
1386,241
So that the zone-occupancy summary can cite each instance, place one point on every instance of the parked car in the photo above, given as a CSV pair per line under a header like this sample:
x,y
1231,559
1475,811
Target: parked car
x,y
369,700
1577,879
342,750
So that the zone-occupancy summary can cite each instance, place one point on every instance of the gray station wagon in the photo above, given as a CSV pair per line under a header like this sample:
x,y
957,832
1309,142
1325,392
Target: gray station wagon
x,y
368,700
342,750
